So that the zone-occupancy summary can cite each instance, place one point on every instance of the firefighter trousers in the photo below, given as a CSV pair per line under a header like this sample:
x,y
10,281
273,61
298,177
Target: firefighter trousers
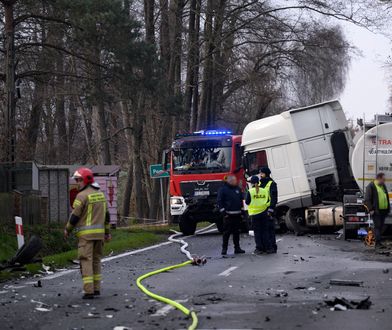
x,y
90,253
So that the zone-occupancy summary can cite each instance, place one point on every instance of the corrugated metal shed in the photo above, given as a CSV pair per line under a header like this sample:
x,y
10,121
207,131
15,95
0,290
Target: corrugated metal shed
x,y
107,178
54,185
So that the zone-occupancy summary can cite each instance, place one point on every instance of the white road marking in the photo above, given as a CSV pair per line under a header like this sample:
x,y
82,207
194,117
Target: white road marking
x,y
135,251
228,271
167,308
2,292
15,287
279,239
125,254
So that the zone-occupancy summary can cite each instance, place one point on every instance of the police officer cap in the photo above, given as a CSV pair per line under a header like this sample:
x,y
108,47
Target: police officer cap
x,y
265,170
254,179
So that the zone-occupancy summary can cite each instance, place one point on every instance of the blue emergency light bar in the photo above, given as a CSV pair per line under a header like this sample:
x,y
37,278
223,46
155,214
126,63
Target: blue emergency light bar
x,y
212,132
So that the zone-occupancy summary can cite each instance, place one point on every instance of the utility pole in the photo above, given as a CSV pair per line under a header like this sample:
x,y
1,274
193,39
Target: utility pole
x,y
10,79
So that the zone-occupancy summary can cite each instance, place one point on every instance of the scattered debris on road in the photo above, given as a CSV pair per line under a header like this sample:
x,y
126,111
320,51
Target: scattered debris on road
x,y
38,284
345,282
343,304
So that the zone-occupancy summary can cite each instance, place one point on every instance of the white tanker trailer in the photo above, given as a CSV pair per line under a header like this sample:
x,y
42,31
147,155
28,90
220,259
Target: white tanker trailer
x,y
316,163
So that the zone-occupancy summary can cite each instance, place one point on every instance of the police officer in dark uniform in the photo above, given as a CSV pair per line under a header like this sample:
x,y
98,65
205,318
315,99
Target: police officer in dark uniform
x,y
266,181
231,207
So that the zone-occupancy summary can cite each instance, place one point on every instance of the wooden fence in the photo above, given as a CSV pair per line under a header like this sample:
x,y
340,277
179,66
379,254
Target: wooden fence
x,y
26,205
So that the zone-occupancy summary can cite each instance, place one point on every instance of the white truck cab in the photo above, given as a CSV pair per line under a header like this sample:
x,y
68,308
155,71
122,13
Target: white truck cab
x,y
307,150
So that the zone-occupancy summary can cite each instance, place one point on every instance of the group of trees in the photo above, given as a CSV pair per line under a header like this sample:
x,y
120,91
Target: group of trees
x,y
112,81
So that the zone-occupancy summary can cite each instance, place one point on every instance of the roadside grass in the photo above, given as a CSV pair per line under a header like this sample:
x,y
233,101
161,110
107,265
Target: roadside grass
x,y
59,253
8,245
122,240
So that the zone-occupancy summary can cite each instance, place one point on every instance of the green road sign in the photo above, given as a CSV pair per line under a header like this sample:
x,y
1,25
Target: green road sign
x,y
157,172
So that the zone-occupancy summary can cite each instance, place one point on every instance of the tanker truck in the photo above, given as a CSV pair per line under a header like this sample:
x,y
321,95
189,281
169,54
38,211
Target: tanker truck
x,y
316,163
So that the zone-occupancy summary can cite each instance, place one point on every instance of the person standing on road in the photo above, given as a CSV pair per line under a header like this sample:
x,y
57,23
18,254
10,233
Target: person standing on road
x,y
231,207
270,185
377,202
91,220
257,199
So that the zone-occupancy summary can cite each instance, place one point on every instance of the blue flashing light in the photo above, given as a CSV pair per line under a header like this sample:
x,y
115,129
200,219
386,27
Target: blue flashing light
x,y
206,132
216,132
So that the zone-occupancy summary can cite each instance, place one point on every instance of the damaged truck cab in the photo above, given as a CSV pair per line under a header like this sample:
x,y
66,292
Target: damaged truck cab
x,y
307,150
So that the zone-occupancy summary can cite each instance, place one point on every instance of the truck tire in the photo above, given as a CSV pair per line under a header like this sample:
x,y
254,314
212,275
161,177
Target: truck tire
x,y
291,219
350,233
28,251
219,225
187,225
175,219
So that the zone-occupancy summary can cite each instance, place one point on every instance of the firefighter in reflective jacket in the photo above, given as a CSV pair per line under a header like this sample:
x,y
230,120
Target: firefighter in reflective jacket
x,y
90,219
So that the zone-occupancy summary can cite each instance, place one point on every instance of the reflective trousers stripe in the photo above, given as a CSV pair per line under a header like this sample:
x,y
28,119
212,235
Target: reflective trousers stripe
x,y
87,279
97,277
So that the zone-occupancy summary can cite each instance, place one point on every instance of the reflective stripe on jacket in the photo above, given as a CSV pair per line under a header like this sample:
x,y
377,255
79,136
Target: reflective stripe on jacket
x,y
90,207
260,201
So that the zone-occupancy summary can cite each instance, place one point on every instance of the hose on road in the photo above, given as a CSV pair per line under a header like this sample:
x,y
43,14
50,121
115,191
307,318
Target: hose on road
x,y
165,300
191,261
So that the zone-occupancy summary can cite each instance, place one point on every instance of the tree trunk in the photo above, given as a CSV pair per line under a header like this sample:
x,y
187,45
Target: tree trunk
x,y
192,65
149,20
9,30
99,107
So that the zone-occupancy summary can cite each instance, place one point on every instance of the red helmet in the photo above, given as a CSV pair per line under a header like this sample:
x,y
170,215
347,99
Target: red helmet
x,y
84,173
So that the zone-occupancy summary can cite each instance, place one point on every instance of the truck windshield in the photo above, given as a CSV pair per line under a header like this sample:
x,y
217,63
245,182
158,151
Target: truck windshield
x,y
202,160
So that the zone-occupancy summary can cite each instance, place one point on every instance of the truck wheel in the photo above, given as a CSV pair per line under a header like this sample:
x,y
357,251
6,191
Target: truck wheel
x,y
219,225
187,225
175,219
350,233
293,218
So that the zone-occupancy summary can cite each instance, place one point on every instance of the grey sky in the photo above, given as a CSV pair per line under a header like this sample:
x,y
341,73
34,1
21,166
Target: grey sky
x,y
367,89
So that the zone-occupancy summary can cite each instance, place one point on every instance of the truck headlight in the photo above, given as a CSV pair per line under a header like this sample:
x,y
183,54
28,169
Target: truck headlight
x,y
176,201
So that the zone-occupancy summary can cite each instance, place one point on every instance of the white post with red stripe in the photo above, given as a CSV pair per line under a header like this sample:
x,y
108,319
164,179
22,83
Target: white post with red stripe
x,y
19,231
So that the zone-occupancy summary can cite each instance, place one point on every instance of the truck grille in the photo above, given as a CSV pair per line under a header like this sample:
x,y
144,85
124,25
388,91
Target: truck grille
x,y
200,189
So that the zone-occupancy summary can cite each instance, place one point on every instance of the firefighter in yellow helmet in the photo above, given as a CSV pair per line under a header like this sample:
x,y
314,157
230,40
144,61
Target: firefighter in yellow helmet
x,y
91,221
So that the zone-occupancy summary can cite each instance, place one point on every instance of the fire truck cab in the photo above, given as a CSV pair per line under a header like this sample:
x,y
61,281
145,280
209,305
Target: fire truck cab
x,y
199,162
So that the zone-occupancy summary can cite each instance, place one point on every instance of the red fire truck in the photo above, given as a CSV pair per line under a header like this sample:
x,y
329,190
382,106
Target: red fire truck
x,y
199,162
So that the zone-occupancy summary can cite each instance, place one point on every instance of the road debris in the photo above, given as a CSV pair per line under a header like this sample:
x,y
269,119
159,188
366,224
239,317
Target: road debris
x,y
47,269
342,304
38,284
42,309
41,306
92,315
345,282
111,309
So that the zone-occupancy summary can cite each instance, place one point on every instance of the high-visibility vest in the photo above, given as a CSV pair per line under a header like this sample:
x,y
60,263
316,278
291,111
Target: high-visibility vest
x,y
382,197
260,201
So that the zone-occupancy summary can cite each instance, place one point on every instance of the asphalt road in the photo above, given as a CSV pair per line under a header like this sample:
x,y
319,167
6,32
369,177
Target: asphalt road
x,y
282,291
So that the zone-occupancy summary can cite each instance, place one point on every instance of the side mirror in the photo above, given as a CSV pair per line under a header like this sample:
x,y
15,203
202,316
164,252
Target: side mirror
x,y
245,163
165,159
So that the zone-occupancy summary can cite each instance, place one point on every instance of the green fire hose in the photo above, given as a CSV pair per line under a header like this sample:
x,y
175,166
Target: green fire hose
x,y
191,261
165,300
